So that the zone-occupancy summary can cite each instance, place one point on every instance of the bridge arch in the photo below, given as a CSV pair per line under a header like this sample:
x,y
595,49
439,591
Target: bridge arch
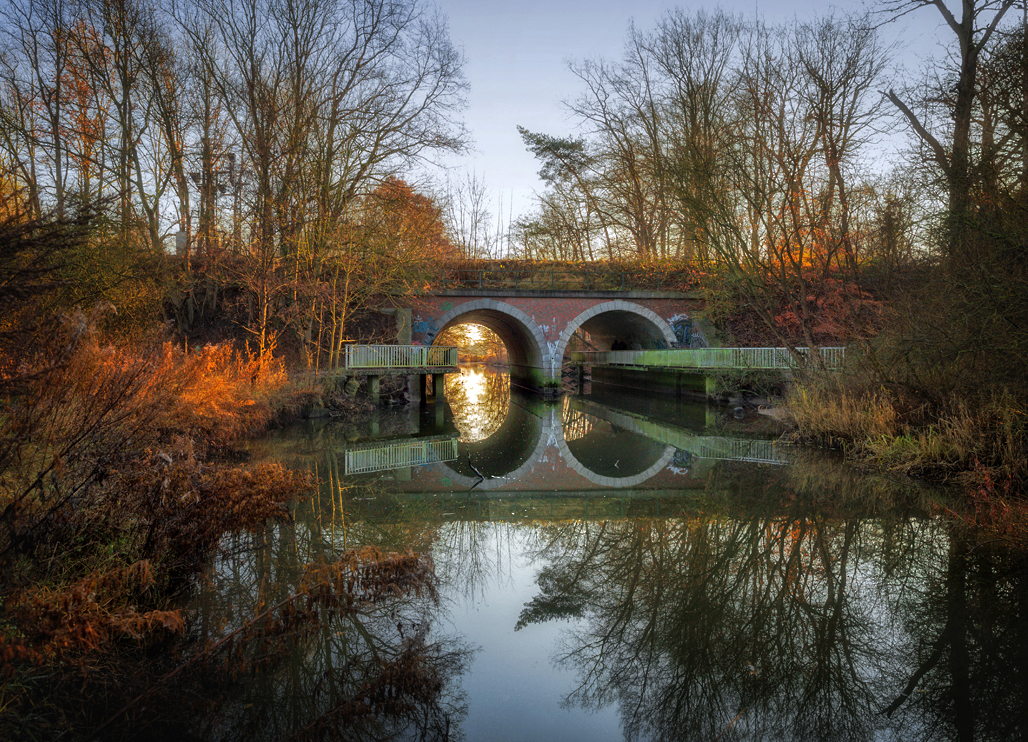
x,y
614,320
528,353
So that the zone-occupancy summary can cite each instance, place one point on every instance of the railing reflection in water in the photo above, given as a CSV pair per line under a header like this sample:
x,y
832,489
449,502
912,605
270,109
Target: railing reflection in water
x,y
796,602
382,456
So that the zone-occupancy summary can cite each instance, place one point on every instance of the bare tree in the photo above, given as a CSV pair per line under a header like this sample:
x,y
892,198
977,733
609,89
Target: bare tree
x,y
467,216
698,55
625,122
951,147
842,61
325,97
35,62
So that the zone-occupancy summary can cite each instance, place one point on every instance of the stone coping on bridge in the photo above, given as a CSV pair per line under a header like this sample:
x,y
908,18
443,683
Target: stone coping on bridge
x,y
571,293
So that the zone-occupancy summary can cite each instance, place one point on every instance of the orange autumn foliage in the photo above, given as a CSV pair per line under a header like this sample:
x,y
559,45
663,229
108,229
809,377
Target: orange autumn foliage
x,y
107,501
410,222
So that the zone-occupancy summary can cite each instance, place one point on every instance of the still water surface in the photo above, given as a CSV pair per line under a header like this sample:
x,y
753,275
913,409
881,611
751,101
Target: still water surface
x,y
617,568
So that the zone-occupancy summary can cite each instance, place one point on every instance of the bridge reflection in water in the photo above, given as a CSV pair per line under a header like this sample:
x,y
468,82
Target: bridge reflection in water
x,y
664,584
499,441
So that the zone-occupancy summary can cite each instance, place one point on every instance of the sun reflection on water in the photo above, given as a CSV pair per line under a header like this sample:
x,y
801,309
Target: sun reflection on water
x,y
478,397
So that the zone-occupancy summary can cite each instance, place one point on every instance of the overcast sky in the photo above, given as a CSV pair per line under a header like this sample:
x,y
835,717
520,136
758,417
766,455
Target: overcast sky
x,y
516,64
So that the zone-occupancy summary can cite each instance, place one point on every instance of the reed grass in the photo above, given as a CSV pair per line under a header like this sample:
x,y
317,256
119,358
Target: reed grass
x,y
957,437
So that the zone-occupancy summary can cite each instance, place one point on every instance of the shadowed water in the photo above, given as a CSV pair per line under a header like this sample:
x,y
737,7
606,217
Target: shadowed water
x,y
614,568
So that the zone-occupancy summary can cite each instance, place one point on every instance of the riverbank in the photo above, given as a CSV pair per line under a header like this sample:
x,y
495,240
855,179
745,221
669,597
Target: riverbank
x,y
119,479
979,444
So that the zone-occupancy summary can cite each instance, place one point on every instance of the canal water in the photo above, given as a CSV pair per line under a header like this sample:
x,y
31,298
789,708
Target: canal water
x,y
617,568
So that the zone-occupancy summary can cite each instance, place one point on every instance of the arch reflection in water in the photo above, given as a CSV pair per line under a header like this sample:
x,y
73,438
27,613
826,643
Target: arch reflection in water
x,y
503,431
581,443
607,453
507,436
513,442
774,597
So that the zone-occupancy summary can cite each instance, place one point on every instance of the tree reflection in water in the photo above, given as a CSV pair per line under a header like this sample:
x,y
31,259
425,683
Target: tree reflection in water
x,y
788,623
800,602
479,398
373,671
576,424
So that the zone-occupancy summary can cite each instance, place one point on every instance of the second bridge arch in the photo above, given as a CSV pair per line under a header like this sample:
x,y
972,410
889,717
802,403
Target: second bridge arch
x,y
536,330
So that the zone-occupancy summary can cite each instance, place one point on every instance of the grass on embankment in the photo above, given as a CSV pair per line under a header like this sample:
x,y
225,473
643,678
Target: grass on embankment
x,y
977,443
954,438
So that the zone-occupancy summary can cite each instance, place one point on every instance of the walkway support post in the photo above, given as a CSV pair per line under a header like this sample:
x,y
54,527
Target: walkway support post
x,y
377,361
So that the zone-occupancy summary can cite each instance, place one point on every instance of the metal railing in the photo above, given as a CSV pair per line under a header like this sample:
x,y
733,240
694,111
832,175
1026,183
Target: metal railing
x,y
712,358
740,449
399,454
399,356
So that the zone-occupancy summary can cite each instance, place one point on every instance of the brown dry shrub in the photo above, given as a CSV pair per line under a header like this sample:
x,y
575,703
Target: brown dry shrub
x,y
224,394
108,506
85,410
835,410
181,509
86,616
894,428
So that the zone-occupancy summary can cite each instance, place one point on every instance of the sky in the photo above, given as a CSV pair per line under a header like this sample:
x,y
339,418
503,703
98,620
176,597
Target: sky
x,y
516,54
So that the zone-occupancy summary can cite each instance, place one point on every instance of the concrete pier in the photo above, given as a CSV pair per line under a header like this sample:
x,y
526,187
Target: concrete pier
x,y
669,381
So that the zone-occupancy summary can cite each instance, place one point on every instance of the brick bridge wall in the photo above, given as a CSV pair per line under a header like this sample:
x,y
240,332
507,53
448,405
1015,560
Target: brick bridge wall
x,y
536,326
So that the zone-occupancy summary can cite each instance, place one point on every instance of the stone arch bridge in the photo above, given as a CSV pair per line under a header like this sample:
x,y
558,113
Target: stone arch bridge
x,y
536,326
